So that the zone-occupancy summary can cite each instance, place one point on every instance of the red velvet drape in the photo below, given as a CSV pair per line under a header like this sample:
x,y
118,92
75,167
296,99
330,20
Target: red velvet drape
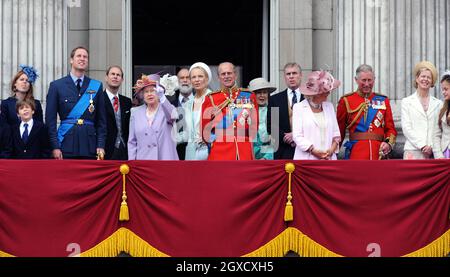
x,y
223,208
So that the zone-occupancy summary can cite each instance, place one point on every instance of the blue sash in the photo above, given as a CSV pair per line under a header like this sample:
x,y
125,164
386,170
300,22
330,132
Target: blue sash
x,y
363,126
78,110
243,97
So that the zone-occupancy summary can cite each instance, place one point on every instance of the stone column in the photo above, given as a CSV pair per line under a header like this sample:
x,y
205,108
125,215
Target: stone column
x,y
97,25
392,36
306,35
295,35
33,33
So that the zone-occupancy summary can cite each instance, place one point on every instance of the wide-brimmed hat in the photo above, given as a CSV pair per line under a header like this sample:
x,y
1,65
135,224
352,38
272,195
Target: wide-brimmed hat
x,y
145,81
204,67
261,83
426,65
319,82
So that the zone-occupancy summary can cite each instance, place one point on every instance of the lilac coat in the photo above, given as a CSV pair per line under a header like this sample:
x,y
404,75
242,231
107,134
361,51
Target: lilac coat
x,y
306,132
153,142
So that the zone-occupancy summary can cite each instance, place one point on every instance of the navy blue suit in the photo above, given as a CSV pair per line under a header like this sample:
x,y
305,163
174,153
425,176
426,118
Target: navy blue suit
x,y
81,141
9,114
280,101
111,127
5,140
37,145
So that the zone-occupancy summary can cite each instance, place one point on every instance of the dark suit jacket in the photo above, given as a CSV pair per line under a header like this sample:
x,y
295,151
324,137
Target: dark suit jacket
x,y
5,140
174,100
280,100
111,127
37,146
9,114
80,141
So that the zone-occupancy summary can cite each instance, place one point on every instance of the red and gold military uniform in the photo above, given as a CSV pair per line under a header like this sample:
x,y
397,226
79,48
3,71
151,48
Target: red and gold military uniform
x,y
369,121
230,124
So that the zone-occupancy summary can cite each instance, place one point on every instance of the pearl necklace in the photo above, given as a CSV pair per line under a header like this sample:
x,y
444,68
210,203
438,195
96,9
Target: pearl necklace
x,y
314,105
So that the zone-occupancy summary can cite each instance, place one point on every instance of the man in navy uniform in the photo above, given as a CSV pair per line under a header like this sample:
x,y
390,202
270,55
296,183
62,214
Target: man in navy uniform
x,y
79,102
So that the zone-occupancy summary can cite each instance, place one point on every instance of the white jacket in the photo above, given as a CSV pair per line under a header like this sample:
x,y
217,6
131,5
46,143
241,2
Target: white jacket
x,y
441,138
305,129
418,126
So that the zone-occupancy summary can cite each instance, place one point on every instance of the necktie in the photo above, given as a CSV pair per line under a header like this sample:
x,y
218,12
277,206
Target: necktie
x,y
25,133
184,100
294,98
116,104
79,85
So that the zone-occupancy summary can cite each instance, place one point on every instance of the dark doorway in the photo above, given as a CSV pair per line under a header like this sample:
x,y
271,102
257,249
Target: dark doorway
x,y
169,34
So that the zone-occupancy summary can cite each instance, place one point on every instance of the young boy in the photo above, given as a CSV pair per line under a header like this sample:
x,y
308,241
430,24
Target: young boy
x,y
30,139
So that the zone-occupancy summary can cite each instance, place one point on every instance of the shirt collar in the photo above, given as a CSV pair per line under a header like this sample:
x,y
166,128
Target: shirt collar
x,y
290,91
190,97
75,78
30,124
111,95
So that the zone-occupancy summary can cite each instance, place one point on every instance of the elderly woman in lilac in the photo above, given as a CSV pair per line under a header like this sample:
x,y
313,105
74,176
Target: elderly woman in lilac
x,y
151,124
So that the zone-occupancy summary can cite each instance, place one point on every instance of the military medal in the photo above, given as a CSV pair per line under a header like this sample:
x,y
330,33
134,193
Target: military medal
x,y
377,123
380,116
91,101
91,106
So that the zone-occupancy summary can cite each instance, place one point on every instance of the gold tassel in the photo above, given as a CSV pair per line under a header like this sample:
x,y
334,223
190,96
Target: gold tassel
x,y
124,214
289,210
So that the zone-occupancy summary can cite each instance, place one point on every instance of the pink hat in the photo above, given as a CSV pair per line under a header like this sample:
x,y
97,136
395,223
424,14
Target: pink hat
x,y
319,82
145,81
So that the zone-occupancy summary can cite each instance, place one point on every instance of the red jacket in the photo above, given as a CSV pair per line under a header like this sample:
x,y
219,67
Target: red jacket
x,y
230,123
369,122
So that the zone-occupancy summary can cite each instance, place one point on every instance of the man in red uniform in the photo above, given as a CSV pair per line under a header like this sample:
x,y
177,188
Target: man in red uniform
x,y
368,117
230,119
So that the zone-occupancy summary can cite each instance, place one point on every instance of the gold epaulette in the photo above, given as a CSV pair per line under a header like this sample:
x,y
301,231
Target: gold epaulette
x,y
360,109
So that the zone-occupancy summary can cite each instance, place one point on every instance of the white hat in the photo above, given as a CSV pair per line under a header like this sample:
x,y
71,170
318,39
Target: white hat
x,y
261,83
204,67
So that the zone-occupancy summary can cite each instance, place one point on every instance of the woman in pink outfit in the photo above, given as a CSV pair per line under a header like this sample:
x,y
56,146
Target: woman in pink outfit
x,y
314,124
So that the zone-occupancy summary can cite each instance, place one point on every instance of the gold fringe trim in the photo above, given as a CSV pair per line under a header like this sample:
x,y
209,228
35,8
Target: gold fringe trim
x,y
5,255
123,240
440,247
292,240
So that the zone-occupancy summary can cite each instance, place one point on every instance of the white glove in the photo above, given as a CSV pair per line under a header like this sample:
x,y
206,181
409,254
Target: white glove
x,y
160,91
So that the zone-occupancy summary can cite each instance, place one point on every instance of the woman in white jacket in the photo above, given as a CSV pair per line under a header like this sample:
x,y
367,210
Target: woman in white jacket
x,y
441,140
314,124
200,75
420,114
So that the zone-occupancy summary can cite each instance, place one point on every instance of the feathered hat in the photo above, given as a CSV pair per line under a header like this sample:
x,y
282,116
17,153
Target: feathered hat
x,y
145,81
319,82
30,72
